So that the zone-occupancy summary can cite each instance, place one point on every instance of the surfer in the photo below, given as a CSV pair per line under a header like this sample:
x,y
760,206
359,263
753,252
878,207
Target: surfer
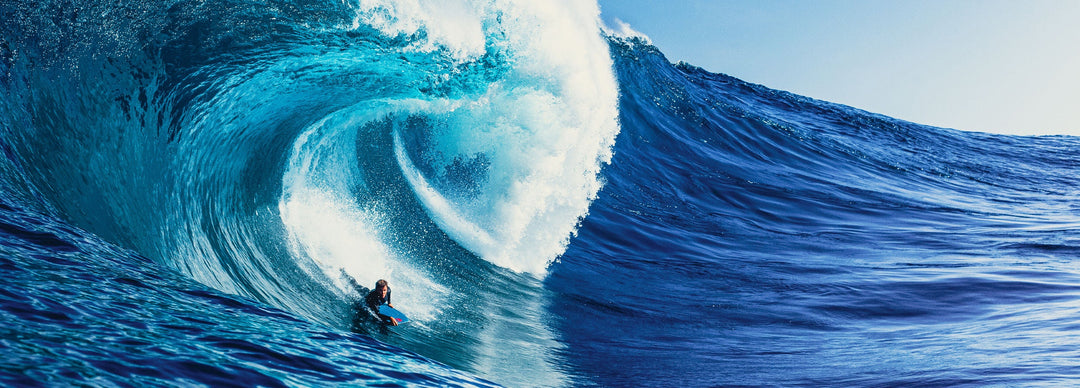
x,y
375,304
380,296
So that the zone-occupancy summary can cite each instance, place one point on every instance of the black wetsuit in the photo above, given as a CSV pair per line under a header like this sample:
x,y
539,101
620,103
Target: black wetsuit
x,y
374,299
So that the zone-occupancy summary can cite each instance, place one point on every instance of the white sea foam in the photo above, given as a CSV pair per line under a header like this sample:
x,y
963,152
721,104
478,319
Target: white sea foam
x,y
453,25
546,127
621,29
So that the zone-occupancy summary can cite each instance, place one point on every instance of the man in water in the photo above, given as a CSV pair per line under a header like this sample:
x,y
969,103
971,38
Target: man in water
x,y
380,296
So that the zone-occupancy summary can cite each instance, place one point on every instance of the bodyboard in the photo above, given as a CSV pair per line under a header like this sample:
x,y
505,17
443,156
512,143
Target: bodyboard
x,y
387,312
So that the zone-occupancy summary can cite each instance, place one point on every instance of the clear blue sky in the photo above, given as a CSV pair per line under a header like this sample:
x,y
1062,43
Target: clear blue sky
x,y
981,65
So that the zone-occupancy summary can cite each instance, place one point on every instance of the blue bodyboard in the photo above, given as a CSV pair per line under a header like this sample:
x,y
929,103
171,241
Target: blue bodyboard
x,y
387,312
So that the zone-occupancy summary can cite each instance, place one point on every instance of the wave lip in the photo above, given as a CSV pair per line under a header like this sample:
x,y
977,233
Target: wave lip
x,y
535,138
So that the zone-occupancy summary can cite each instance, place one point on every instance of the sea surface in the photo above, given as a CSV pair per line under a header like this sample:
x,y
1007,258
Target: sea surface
x,y
187,189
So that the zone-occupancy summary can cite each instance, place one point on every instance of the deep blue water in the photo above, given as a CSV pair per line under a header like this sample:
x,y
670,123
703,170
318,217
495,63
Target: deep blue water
x,y
186,188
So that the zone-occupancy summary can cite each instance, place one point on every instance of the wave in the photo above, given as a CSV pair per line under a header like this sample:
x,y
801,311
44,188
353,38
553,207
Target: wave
x,y
266,148
749,230
554,203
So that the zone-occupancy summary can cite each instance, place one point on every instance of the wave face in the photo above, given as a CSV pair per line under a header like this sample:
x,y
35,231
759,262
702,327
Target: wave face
x,y
187,188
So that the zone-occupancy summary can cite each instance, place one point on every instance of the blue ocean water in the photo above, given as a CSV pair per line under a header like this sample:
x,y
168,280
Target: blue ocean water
x,y
187,188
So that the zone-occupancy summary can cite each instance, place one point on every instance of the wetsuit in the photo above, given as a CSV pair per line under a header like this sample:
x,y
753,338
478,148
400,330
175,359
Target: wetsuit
x,y
374,299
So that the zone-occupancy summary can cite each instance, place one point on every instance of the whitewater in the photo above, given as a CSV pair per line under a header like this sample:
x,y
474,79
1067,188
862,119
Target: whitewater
x,y
188,189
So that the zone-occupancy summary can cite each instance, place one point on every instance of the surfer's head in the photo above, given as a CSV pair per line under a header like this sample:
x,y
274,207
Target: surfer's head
x,y
382,287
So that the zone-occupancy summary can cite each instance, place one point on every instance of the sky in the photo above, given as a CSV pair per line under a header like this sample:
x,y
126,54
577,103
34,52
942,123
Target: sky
x,y
996,66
